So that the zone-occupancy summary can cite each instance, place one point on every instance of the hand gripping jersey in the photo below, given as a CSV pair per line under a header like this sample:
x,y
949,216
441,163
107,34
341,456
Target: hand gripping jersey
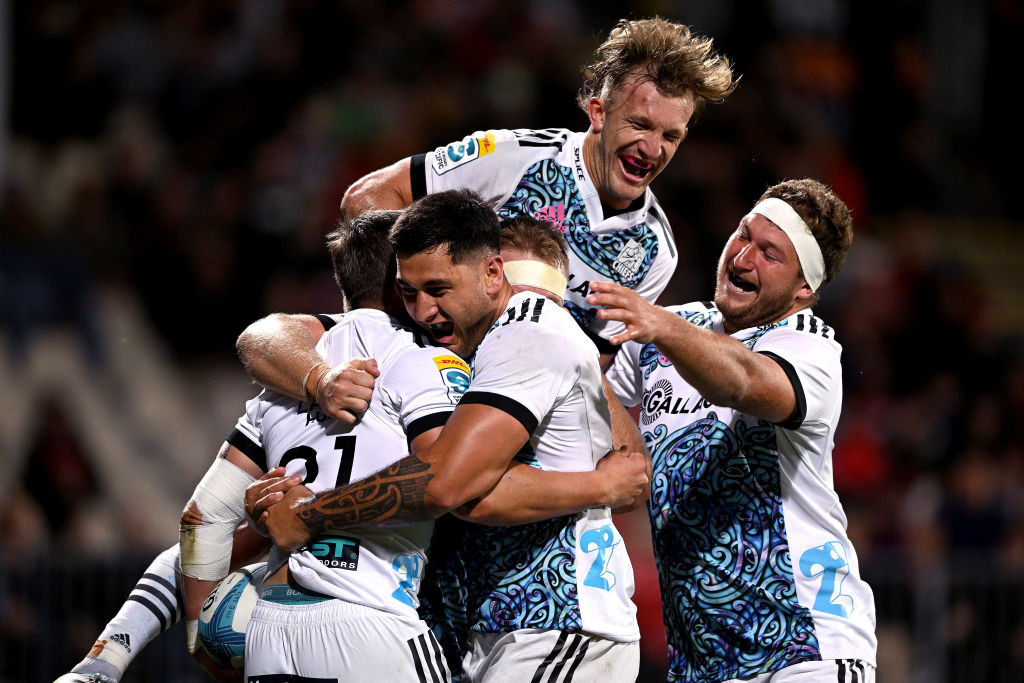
x,y
757,571
541,173
572,572
417,390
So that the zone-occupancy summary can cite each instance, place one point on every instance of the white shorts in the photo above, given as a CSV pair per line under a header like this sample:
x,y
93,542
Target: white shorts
x,y
334,640
549,657
826,671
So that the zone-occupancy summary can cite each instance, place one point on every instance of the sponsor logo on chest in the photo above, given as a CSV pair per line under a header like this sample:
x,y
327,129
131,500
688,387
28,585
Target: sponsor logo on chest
x,y
658,401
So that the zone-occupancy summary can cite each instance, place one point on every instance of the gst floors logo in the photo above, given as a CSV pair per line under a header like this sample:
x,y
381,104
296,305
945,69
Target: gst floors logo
x,y
455,374
336,552
471,147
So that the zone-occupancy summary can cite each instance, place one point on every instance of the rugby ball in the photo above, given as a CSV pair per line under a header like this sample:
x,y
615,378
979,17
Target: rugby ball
x,y
224,618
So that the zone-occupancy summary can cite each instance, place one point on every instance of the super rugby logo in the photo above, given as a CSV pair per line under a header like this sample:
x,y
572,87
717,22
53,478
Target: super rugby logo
x,y
455,374
471,147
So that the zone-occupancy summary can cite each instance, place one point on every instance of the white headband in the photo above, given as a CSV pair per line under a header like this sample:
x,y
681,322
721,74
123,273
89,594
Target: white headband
x,y
807,250
535,274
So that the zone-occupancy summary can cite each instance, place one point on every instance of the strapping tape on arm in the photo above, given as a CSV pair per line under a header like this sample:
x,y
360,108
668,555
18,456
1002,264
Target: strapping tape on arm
x,y
220,498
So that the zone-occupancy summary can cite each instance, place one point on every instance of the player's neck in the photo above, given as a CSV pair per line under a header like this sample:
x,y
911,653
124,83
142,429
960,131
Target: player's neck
x,y
501,300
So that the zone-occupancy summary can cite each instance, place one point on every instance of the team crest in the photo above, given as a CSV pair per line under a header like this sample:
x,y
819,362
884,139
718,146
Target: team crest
x,y
629,260
455,374
456,154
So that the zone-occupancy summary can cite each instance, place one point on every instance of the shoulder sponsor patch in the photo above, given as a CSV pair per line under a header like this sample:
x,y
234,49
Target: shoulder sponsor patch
x,y
455,374
474,146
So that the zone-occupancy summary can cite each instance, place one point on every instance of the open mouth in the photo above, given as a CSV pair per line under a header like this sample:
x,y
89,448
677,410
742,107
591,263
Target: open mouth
x,y
636,167
442,332
742,285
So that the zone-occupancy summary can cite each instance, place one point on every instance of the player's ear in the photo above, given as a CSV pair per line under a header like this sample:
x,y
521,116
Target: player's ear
x,y
804,292
494,273
596,112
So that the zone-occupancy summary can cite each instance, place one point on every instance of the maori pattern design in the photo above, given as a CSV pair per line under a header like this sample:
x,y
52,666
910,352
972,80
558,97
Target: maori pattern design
x,y
547,184
495,579
720,541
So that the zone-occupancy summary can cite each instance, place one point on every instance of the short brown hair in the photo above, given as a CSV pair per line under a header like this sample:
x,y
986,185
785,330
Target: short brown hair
x,y
538,238
363,260
824,213
676,61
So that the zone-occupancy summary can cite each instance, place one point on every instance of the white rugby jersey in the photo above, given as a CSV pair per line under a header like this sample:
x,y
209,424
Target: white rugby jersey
x,y
757,571
417,390
571,572
541,173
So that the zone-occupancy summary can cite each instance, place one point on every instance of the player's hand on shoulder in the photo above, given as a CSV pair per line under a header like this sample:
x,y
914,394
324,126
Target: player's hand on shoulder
x,y
626,477
344,391
624,305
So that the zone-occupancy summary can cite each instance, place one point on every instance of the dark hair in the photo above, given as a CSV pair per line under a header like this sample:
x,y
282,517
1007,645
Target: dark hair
x,y
457,220
364,263
824,213
536,237
676,62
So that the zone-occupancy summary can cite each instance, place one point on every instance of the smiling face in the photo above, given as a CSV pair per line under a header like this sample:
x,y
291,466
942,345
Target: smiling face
x,y
456,302
759,280
633,135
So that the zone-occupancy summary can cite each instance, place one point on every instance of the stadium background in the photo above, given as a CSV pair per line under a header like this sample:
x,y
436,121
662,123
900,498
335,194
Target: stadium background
x,y
169,170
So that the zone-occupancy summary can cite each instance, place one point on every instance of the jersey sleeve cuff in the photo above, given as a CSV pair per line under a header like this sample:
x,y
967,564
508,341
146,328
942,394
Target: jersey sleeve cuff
x,y
327,321
797,418
426,423
505,404
251,450
418,175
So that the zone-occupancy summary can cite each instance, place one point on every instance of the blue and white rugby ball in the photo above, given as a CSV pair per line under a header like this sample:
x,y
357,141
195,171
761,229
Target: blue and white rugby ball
x,y
224,618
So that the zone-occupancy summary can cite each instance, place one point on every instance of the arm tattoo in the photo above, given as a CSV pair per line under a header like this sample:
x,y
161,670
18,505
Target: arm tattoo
x,y
395,496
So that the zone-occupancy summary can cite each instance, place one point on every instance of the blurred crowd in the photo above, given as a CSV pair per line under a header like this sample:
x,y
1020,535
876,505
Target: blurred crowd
x,y
194,154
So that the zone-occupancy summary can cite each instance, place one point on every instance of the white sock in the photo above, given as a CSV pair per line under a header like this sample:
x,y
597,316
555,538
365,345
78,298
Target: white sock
x,y
153,606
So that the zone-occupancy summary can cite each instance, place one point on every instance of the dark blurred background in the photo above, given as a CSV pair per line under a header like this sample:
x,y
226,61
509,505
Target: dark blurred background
x,y
169,170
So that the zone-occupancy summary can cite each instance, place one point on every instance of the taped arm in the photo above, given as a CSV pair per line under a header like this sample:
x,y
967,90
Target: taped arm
x,y
207,530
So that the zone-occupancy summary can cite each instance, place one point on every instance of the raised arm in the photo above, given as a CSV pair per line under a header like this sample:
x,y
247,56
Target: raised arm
x,y
279,352
386,188
721,368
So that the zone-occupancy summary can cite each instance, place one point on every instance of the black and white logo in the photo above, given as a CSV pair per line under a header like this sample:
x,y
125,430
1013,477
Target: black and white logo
x,y
123,640
659,400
